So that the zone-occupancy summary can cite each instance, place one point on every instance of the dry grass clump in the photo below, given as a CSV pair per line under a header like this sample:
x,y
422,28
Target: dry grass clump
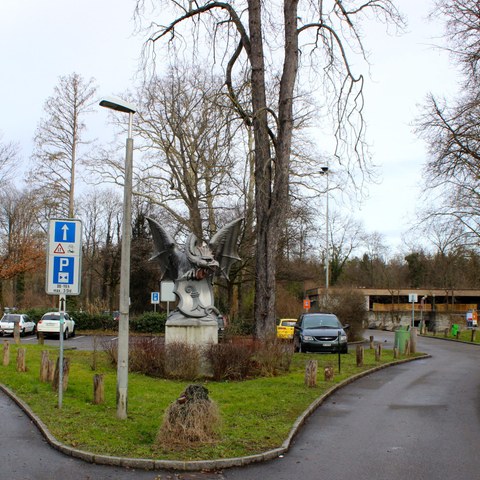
x,y
192,418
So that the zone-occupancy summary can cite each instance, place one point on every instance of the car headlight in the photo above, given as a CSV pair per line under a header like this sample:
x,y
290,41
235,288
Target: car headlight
x,y
308,338
343,338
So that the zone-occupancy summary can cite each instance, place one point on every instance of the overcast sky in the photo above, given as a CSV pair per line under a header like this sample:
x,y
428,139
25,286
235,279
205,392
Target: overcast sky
x,y
41,40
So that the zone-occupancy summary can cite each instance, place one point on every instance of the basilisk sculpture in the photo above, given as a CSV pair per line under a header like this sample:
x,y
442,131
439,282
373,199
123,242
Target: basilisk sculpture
x,y
192,272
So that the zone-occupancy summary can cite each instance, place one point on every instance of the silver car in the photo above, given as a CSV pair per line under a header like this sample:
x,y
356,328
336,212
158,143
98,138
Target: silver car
x,y
25,324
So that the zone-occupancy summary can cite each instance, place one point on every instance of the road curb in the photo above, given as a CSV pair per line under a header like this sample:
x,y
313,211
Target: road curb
x,y
219,464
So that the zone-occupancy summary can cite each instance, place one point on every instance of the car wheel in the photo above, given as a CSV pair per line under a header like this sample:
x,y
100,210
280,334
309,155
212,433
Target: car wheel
x,y
22,332
302,348
296,348
65,335
344,349
73,332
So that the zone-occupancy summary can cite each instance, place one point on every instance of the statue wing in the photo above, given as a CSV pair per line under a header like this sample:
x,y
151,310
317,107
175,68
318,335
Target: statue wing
x,y
224,245
165,252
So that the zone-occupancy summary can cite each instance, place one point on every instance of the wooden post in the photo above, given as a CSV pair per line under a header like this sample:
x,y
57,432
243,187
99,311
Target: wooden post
x,y
99,391
41,338
329,373
16,333
371,342
457,334
311,369
413,340
21,367
360,355
395,352
6,353
378,352
44,366
51,371
474,332
66,371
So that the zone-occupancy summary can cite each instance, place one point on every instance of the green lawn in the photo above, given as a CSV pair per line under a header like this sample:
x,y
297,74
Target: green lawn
x,y
257,414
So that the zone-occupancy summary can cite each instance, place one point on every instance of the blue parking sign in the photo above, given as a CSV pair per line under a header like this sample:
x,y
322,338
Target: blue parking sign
x,y
63,270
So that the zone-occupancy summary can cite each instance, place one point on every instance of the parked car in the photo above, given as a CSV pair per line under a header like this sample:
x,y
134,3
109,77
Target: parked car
x,y
25,324
285,328
320,332
49,324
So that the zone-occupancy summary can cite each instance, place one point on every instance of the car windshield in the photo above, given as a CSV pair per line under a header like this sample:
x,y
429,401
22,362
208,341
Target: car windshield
x,y
288,323
51,317
9,317
321,321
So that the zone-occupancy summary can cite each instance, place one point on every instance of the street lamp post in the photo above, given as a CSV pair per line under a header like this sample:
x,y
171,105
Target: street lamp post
x,y
124,307
327,253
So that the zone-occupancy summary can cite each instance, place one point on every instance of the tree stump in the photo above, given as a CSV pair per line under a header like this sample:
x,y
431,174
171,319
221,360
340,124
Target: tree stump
x,y
474,332
311,370
98,389
6,353
44,363
378,352
41,338
329,373
360,355
395,352
21,366
66,371
372,344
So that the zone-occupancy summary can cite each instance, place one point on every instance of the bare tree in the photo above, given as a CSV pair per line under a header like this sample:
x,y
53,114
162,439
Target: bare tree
x,y
451,128
255,37
57,141
9,158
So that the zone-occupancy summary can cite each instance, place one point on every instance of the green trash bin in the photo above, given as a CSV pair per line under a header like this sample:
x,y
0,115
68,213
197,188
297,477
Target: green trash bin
x,y
402,335
454,329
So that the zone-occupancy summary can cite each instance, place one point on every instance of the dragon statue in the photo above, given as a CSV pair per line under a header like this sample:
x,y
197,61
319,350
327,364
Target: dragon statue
x,y
193,269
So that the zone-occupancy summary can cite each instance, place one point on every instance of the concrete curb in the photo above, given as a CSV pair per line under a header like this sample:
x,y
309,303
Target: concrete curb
x,y
465,342
150,464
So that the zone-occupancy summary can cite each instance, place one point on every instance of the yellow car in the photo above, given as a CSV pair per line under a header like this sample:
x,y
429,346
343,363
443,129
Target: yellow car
x,y
285,328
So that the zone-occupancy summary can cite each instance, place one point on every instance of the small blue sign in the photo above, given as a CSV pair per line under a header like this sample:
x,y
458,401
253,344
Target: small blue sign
x,y
64,232
155,297
63,270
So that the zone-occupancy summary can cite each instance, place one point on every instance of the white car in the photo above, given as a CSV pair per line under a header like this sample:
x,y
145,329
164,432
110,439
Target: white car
x,y
49,324
25,324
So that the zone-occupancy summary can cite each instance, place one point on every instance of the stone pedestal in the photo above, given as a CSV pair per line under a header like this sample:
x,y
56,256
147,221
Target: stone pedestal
x,y
191,331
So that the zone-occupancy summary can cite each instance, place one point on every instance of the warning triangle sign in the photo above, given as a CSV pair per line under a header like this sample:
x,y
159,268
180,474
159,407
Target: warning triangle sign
x,y
59,249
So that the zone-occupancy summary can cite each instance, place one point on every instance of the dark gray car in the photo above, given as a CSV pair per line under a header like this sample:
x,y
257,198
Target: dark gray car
x,y
320,332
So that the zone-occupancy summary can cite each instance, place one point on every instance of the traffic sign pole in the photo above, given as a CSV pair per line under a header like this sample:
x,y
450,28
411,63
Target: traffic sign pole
x,y
62,302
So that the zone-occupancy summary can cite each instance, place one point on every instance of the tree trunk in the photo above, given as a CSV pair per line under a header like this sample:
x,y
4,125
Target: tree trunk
x,y
271,194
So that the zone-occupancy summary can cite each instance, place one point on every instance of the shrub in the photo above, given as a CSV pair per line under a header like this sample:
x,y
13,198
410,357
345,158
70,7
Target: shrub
x,y
149,322
230,361
182,361
273,357
95,321
147,355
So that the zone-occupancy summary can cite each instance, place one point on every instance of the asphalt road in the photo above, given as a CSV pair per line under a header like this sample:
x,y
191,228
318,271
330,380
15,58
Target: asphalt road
x,y
419,420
